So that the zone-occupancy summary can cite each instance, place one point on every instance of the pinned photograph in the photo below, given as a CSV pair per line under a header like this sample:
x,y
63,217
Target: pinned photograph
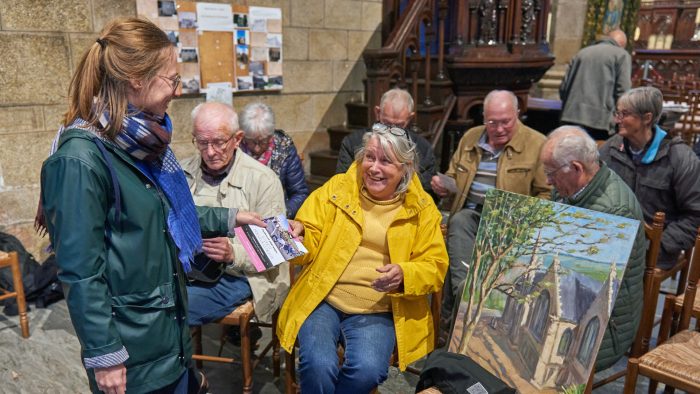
x,y
188,55
240,20
242,56
187,20
242,37
259,83
258,54
274,82
245,83
274,25
191,85
257,68
275,54
274,68
274,40
173,36
166,8
258,25
258,39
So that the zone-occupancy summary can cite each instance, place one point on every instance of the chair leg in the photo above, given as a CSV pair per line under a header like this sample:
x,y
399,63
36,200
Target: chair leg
x,y
683,275
275,348
196,334
589,384
631,378
290,377
21,301
246,352
665,328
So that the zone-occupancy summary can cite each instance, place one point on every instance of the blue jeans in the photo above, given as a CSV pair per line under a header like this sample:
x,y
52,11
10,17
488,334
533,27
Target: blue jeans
x,y
208,302
369,341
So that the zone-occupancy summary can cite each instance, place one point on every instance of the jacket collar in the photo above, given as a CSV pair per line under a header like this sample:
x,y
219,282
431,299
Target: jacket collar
x,y
600,178
517,143
193,169
618,151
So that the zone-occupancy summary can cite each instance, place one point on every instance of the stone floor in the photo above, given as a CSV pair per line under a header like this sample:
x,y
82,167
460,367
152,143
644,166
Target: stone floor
x,y
48,362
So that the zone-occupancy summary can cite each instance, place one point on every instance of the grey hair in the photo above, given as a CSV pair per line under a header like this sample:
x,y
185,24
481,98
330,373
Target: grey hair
x,y
396,97
401,146
231,117
513,98
573,143
642,100
257,119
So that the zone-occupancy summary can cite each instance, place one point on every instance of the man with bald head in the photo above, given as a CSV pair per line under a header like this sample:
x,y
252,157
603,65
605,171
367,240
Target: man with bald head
x,y
596,78
395,109
502,154
572,165
222,175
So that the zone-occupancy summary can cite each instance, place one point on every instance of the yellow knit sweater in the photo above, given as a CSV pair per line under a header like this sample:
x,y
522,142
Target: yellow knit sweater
x,y
352,292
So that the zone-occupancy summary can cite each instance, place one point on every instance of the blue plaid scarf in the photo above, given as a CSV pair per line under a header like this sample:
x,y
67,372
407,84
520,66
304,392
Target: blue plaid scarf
x,y
146,138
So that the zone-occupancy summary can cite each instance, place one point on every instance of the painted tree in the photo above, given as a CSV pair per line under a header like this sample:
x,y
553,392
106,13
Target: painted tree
x,y
511,222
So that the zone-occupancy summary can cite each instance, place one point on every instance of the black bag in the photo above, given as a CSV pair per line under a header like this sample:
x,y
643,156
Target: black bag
x,y
456,373
41,284
205,270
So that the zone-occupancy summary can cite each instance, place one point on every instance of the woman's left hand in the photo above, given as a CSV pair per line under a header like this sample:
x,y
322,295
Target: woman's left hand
x,y
390,280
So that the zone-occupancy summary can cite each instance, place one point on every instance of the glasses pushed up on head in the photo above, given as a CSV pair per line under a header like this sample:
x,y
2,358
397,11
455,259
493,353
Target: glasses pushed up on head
x,y
218,145
394,130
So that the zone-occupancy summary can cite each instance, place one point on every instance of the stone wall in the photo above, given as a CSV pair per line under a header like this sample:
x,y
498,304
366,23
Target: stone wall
x,y
41,41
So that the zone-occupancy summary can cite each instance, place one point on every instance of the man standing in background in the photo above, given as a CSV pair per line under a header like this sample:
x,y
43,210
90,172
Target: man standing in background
x,y
596,78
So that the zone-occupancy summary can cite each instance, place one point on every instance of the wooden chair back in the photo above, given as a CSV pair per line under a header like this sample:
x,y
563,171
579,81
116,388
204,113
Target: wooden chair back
x,y
688,126
691,288
11,260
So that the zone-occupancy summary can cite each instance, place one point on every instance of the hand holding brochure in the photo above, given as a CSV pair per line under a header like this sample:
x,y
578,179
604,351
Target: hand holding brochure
x,y
270,246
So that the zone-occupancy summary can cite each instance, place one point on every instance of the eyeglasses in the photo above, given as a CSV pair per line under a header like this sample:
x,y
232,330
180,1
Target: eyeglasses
x,y
394,130
217,145
175,81
261,142
493,124
622,114
550,174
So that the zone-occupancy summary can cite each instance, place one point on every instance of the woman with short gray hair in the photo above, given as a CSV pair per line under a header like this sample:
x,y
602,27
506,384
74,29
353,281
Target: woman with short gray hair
x,y
275,149
661,170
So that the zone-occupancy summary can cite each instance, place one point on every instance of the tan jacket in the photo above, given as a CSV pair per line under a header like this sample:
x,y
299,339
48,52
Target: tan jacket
x,y
519,168
249,186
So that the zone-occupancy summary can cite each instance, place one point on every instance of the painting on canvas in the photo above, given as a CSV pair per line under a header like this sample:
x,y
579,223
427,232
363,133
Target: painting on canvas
x,y
539,290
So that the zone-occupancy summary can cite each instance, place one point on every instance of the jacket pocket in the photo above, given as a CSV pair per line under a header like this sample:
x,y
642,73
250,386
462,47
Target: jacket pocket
x,y
148,324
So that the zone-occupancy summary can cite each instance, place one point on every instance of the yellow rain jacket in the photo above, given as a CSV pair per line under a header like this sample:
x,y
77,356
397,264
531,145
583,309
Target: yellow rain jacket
x,y
333,222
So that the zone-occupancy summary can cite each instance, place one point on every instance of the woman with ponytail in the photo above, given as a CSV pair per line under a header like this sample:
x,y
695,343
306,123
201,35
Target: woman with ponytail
x,y
120,216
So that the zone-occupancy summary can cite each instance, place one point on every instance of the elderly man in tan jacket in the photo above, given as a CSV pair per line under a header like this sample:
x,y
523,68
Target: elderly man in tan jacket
x,y
502,154
222,175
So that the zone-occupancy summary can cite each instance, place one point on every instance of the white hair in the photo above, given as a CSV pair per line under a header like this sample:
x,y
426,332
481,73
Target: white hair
x,y
225,111
571,143
398,99
257,119
401,146
490,97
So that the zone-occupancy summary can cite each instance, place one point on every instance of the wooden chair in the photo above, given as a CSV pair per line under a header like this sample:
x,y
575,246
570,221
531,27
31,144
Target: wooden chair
x,y
688,127
243,318
12,261
653,277
675,362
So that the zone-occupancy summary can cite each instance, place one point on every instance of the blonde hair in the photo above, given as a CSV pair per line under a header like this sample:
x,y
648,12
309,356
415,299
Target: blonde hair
x,y
402,147
127,49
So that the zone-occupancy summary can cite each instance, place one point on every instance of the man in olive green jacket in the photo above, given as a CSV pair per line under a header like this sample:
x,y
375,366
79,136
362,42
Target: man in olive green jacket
x,y
502,154
571,162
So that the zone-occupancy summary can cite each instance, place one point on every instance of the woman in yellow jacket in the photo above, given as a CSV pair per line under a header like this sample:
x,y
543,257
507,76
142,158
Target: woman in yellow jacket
x,y
375,254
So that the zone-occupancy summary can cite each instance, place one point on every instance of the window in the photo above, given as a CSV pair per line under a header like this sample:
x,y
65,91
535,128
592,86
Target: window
x,y
538,318
585,350
565,342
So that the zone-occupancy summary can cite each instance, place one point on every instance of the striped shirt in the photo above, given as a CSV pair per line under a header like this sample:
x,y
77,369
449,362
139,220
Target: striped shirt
x,y
485,177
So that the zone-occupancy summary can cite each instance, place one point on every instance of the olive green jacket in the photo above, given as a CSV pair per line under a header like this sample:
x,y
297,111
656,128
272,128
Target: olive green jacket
x,y
123,282
608,193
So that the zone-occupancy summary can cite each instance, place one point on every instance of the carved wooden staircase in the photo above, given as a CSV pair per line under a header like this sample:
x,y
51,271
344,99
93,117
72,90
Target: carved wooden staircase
x,y
448,54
